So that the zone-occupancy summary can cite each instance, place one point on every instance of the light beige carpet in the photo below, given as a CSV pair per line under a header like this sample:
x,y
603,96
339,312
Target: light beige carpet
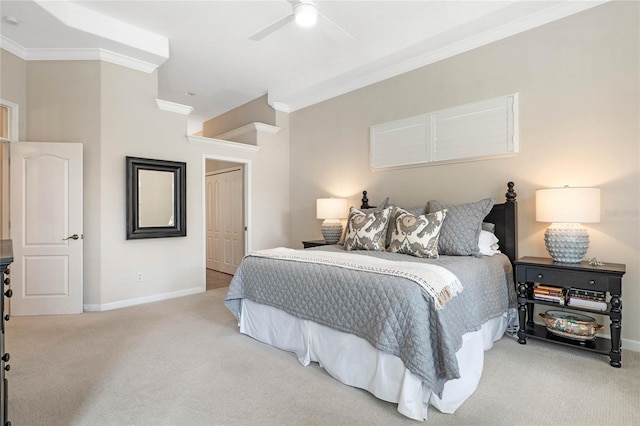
x,y
183,362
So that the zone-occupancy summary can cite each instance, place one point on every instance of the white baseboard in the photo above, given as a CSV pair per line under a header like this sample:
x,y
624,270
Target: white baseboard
x,y
141,300
630,345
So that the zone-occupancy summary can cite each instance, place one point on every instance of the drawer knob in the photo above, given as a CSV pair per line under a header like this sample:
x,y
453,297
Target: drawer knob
x,y
8,293
7,281
540,276
592,282
6,357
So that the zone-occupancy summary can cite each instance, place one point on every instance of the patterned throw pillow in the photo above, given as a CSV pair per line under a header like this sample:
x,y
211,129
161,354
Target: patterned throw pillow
x,y
417,235
461,229
367,231
416,211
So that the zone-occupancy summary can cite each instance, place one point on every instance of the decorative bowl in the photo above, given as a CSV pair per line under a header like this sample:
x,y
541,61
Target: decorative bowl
x,y
571,325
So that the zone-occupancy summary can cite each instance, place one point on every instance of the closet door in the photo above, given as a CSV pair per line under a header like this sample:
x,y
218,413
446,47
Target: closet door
x,y
225,224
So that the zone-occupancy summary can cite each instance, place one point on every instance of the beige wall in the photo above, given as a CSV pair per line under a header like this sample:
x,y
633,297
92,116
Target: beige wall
x,y
63,105
268,173
579,125
132,125
258,110
111,111
13,86
271,187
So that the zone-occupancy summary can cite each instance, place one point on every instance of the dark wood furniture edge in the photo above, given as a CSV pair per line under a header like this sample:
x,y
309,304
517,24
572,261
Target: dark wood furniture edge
x,y
365,201
503,215
6,258
527,328
609,267
314,243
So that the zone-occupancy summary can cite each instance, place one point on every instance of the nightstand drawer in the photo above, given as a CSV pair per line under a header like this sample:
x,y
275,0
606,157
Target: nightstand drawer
x,y
583,280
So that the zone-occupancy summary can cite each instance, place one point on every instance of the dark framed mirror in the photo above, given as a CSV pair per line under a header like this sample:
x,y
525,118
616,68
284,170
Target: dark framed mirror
x,y
156,198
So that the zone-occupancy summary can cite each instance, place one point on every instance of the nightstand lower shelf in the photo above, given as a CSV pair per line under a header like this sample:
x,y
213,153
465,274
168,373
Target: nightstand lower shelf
x,y
600,345
601,281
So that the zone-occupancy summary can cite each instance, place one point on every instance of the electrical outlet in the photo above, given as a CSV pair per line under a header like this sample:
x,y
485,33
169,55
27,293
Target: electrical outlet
x,y
139,277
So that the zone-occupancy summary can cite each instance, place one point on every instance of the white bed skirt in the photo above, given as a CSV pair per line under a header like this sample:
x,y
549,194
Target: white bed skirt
x,y
354,362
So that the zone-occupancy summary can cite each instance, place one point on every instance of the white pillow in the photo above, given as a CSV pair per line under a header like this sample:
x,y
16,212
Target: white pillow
x,y
488,243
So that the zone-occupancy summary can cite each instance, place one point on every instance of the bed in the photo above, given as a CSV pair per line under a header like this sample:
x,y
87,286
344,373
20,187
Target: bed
x,y
408,323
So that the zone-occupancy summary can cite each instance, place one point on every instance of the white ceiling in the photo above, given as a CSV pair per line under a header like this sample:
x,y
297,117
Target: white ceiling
x,y
203,47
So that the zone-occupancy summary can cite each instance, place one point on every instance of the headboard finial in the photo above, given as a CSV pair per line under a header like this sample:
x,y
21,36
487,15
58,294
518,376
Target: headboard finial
x,y
511,194
365,200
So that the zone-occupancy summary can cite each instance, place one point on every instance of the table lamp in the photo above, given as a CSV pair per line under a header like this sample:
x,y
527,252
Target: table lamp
x,y
567,209
331,210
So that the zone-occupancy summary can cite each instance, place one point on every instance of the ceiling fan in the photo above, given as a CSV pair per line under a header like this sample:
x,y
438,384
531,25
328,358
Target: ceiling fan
x,y
305,13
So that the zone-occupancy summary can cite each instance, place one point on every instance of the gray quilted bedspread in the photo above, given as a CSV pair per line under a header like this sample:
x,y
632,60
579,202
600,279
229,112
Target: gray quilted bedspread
x,y
394,314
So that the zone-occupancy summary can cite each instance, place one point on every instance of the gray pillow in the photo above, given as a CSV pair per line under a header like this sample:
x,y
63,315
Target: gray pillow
x,y
462,225
489,227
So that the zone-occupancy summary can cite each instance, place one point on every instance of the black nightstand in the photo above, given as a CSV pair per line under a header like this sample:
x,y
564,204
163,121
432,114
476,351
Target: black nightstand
x,y
315,243
582,276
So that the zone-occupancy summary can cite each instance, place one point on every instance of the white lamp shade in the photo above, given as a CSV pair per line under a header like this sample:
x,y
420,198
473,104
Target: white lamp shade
x,y
568,205
331,208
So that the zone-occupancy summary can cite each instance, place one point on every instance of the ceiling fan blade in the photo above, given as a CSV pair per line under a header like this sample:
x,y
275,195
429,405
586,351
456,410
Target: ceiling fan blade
x,y
334,30
272,27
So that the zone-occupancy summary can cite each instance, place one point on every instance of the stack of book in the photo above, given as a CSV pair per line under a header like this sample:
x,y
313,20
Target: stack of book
x,y
549,294
589,299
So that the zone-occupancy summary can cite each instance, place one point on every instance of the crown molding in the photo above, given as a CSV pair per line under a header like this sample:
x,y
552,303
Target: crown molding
x,y
76,54
249,128
174,107
279,106
13,47
222,144
292,97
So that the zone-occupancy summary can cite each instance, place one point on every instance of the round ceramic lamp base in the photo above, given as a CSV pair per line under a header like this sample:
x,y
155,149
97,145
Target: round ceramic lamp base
x,y
331,230
566,242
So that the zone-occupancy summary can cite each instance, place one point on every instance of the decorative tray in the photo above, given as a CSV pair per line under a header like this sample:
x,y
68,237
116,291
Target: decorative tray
x,y
571,325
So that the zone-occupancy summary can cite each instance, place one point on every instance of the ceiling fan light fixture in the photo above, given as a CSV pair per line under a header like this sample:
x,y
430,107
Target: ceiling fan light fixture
x,y
306,14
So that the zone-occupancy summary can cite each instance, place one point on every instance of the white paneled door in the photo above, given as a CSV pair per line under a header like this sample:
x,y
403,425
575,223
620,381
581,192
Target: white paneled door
x,y
46,228
225,220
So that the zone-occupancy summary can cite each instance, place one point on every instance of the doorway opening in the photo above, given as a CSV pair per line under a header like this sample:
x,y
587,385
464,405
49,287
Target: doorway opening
x,y
225,205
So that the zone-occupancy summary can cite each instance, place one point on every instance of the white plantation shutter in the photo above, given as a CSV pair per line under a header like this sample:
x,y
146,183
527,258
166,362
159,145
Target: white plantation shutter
x,y
473,131
400,143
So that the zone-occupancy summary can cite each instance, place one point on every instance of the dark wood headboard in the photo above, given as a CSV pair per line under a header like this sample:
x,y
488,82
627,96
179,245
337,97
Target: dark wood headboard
x,y
504,216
